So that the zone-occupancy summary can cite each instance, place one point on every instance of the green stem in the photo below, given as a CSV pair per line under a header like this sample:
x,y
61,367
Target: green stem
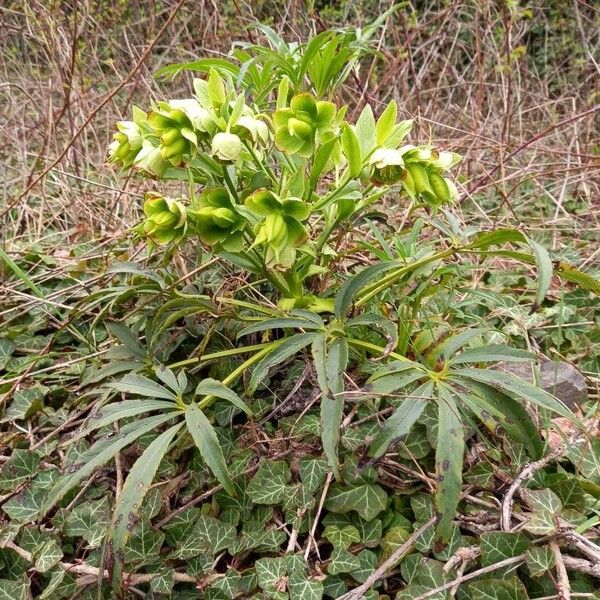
x,y
208,400
372,290
220,354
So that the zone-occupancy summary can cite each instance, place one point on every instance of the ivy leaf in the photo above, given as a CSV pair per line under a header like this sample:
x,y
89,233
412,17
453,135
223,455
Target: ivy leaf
x,y
61,585
302,588
162,582
21,465
26,403
312,473
144,543
342,561
510,588
270,571
367,565
543,500
47,556
269,484
499,545
13,590
25,506
539,559
209,535
368,500
342,537
89,520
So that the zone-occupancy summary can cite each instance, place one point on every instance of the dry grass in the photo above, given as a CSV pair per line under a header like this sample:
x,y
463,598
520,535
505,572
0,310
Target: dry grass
x,y
515,91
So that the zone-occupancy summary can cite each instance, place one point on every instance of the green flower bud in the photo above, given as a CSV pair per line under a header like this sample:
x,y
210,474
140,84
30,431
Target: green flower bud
x,y
226,147
166,219
216,221
298,127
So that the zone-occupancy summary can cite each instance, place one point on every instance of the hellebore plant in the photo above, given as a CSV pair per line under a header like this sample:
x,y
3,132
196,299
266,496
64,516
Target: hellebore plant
x,y
281,184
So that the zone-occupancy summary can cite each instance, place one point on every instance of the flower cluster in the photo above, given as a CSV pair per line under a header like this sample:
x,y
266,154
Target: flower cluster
x,y
419,169
173,133
264,173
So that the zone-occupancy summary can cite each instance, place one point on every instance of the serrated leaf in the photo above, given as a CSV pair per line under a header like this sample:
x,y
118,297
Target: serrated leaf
x,y
448,462
96,456
134,490
400,423
279,354
207,442
215,388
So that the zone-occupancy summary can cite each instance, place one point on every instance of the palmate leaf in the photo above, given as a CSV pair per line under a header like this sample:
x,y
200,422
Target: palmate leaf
x,y
400,423
134,490
518,387
205,438
448,462
89,521
368,499
99,454
330,361
280,353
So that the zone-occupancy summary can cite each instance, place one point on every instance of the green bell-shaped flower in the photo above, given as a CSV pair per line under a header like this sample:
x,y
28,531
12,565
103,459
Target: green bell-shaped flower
x,y
280,230
166,219
217,222
298,127
226,147
388,166
127,143
178,125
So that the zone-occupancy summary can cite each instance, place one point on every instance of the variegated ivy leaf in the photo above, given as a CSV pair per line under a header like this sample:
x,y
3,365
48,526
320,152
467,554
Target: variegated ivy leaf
x,y
543,500
393,539
26,403
47,556
586,459
21,465
25,506
342,537
510,588
302,588
90,521
61,585
539,559
209,535
498,545
541,522
269,484
368,500
312,472
367,565
270,572
162,582
144,543
342,561
180,526
14,590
